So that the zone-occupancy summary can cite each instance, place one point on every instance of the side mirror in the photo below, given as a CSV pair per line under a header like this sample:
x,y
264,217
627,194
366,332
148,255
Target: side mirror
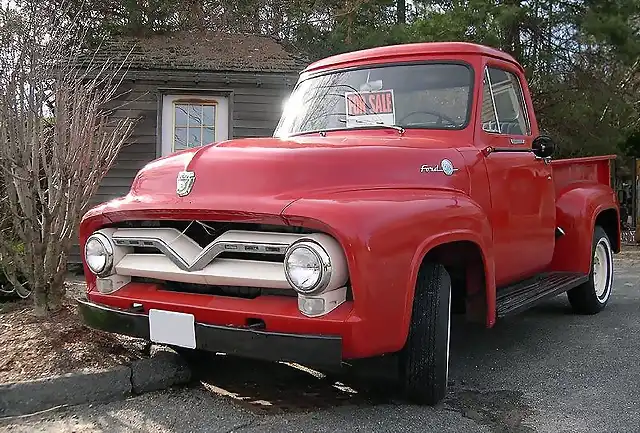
x,y
543,146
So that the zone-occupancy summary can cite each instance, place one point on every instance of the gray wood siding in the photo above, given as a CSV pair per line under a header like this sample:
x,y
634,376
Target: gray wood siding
x,y
256,105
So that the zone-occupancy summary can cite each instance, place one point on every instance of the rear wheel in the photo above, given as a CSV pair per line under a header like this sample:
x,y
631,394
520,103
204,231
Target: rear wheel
x,y
592,296
424,361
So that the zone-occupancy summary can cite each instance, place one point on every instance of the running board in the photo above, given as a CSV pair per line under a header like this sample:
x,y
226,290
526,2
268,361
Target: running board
x,y
525,294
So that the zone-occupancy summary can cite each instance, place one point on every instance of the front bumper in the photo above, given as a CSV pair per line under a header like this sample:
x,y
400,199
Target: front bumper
x,y
315,350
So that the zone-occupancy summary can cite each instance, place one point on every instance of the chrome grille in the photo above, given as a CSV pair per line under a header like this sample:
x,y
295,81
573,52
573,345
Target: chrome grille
x,y
189,256
205,232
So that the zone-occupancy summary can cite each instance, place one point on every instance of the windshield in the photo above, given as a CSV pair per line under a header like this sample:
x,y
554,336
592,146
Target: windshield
x,y
432,96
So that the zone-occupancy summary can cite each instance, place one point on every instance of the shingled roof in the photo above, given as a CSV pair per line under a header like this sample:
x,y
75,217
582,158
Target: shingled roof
x,y
203,51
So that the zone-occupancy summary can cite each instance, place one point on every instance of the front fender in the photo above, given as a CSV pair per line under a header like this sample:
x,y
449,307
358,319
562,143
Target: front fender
x,y
385,234
576,213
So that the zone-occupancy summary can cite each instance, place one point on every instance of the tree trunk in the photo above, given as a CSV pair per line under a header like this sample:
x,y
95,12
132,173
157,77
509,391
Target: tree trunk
x,y
196,15
511,30
48,298
402,12
347,39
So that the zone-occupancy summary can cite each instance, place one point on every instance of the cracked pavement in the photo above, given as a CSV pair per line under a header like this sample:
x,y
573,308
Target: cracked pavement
x,y
545,370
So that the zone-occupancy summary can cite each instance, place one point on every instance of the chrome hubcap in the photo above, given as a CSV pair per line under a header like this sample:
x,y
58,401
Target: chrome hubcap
x,y
601,270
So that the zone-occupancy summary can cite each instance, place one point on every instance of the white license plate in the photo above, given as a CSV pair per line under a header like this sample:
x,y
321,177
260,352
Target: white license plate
x,y
169,327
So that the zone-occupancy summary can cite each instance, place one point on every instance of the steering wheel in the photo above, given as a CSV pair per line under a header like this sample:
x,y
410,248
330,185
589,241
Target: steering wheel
x,y
440,116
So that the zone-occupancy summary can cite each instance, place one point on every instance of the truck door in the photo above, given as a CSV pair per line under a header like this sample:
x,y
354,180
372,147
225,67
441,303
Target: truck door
x,y
521,188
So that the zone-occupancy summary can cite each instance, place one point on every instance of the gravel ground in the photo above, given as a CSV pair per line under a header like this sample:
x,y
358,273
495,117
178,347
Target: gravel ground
x,y
545,370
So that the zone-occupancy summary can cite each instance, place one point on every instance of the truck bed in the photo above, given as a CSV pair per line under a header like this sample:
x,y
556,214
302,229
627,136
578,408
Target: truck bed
x,y
592,169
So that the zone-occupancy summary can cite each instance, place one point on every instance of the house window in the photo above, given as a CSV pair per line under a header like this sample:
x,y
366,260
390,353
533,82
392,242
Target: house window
x,y
194,124
190,121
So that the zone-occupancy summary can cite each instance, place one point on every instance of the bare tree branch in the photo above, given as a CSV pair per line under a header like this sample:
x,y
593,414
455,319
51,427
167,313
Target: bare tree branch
x,y
58,143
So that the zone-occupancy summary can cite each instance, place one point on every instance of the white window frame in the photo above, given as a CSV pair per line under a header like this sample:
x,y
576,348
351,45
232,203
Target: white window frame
x,y
167,127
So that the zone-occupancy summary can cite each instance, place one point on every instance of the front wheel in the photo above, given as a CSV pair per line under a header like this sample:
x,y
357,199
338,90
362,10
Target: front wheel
x,y
424,361
592,296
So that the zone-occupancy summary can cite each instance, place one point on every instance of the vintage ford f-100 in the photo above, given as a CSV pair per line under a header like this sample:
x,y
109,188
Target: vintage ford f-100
x,y
402,185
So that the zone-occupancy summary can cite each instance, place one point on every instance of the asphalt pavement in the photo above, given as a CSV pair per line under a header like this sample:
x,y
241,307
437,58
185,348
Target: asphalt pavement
x,y
545,370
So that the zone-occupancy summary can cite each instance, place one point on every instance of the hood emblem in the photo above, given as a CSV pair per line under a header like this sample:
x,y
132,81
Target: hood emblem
x,y
445,167
185,182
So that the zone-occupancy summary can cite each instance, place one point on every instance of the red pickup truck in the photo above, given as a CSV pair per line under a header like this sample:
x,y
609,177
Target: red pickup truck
x,y
403,184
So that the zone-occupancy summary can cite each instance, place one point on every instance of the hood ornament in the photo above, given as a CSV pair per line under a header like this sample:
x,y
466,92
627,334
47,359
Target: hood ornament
x,y
185,182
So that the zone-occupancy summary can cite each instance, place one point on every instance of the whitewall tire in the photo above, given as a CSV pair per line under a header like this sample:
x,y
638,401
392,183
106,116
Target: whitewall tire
x,y
592,296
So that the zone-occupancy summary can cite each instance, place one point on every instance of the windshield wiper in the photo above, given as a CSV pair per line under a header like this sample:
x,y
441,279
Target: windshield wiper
x,y
379,123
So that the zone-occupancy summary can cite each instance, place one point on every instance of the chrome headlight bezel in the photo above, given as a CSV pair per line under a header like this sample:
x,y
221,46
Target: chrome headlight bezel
x,y
324,260
109,251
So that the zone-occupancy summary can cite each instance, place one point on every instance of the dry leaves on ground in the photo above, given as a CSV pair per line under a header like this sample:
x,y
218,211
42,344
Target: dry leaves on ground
x,y
628,256
33,347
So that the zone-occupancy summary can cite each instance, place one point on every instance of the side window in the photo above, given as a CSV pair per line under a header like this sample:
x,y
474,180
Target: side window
x,y
489,115
506,111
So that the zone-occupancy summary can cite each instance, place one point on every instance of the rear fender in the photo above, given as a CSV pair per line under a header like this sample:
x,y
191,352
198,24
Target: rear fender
x,y
386,234
576,212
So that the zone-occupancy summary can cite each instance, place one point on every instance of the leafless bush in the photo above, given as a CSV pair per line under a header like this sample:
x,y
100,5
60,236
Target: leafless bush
x,y
57,141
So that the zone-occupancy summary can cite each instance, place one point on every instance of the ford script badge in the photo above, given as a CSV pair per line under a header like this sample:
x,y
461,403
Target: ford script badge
x,y
184,183
445,167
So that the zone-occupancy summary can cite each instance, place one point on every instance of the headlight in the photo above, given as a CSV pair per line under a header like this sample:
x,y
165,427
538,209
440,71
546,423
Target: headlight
x,y
307,267
98,253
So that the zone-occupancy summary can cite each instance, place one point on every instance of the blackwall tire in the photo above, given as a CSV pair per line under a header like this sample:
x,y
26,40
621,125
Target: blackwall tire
x,y
592,296
424,360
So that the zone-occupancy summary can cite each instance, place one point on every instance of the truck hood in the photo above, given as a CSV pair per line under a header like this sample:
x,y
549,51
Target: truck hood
x,y
264,175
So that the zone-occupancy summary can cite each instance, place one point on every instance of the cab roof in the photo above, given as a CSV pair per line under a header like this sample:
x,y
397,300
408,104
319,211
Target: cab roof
x,y
408,52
